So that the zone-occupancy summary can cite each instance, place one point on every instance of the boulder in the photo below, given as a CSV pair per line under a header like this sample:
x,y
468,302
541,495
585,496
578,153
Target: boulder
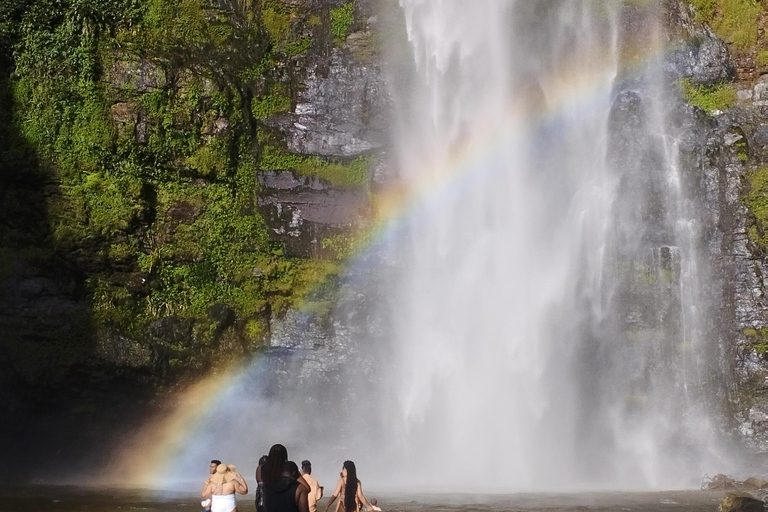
x,y
740,502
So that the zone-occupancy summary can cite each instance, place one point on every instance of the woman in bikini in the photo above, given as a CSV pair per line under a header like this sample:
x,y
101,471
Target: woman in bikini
x,y
350,489
222,487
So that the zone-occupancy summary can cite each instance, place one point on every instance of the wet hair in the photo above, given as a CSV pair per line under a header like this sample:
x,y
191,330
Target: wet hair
x,y
217,462
263,460
291,468
350,491
273,469
306,466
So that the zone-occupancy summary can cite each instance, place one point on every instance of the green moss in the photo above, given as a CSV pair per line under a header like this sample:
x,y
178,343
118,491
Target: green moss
x,y
270,104
278,24
314,21
762,58
757,202
741,150
737,23
708,98
342,19
353,173
298,46
705,10
119,195
734,21
345,246
750,332
210,158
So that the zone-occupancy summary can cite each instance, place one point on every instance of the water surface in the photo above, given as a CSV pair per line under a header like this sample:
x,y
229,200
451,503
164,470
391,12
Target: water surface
x,y
70,498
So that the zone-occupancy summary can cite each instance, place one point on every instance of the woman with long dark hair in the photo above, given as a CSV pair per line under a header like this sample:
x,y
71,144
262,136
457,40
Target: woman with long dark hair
x,y
273,469
350,489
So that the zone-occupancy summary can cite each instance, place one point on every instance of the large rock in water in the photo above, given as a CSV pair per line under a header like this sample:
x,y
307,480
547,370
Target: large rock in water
x,y
741,502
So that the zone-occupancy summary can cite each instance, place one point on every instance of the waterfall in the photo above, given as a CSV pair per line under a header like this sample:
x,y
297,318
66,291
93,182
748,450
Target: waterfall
x,y
548,325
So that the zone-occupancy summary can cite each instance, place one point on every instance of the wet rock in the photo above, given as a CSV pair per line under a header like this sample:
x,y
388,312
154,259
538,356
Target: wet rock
x,y
760,91
700,54
182,212
118,349
301,211
754,482
124,113
136,75
222,315
342,110
298,330
171,329
740,502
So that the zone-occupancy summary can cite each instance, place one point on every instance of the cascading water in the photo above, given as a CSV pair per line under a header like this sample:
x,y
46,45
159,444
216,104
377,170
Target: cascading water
x,y
549,323
546,324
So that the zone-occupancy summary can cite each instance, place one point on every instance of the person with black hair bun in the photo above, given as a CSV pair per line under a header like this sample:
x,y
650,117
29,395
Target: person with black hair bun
x,y
350,489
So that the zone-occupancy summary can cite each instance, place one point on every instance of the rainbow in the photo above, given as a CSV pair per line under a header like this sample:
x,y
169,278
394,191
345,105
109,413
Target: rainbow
x,y
146,459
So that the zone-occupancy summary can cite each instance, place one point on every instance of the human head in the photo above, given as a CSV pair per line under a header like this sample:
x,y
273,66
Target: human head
x,y
291,469
273,469
350,491
306,467
374,501
263,460
214,464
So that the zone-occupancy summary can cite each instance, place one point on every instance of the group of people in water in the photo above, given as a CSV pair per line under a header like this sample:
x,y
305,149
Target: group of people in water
x,y
282,487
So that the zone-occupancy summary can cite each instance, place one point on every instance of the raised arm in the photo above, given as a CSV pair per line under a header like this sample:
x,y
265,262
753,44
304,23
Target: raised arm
x,y
361,496
241,486
335,494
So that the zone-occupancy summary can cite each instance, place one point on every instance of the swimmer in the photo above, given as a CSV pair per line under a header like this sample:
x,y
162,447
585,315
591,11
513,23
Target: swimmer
x,y
222,487
350,489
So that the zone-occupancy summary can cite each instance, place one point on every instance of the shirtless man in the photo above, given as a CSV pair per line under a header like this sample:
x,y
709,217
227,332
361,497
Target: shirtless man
x,y
212,471
315,489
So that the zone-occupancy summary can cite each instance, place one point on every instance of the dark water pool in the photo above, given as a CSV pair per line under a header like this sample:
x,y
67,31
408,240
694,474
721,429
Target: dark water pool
x,y
67,498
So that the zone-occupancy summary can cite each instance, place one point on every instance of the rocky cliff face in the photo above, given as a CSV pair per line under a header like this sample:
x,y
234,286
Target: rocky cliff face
x,y
182,186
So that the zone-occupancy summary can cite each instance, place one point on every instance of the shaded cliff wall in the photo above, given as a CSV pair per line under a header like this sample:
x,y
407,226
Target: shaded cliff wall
x,y
179,181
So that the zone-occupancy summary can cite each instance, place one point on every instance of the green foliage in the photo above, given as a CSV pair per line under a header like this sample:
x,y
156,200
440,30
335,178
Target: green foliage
x,y
342,19
705,9
757,339
298,46
346,246
757,202
738,22
270,104
354,173
734,21
278,24
708,98
211,157
176,207
762,58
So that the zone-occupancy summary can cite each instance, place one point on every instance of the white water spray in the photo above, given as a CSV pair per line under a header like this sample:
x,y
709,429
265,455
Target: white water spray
x,y
547,326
